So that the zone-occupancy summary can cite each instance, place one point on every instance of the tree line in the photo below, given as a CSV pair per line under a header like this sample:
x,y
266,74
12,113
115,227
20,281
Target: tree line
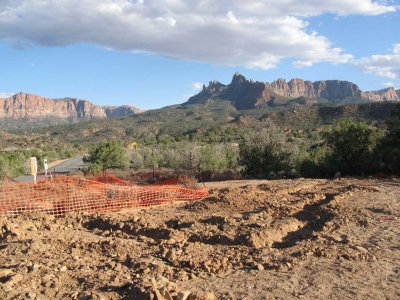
x,y
348,147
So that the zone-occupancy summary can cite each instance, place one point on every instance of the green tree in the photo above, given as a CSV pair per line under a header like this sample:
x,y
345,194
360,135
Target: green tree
x,y
394,128
231,153
314,162
351,144
212,158
263,152
4,168
136,159
12,164
389,148
107,155
151,156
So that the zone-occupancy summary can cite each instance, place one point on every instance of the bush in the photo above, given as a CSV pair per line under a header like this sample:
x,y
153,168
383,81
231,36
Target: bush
x,y
265,152
215,158
107,155
136,160
4,168
13,164
351,145
388,149
315,164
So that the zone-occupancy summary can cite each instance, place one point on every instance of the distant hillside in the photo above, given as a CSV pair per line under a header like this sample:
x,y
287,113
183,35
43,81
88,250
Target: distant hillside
x,y
24,110
248,94
214,121
312,117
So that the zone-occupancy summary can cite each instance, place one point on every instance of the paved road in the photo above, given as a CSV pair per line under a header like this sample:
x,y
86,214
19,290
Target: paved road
x,y
69,165
64,167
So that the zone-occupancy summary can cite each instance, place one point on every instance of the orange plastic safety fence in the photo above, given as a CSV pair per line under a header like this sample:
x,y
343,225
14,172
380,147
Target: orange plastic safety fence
x,y
6,178
109,178
172,181
63,195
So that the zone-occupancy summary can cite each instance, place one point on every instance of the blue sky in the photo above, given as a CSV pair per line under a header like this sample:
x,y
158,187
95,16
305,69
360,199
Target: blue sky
x,y
155,53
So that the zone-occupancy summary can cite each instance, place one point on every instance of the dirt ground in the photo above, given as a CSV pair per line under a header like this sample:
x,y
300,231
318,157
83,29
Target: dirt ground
x,y
283,239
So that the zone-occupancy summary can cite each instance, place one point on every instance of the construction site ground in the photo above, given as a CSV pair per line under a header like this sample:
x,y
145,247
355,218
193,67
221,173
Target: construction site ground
x,y
281,239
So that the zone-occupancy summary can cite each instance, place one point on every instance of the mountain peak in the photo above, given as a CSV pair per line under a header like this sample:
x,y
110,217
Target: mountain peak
x,y
386,94
238,78
20,94
390,88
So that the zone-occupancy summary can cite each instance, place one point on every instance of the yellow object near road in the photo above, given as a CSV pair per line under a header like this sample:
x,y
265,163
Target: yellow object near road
x,y
33,165
132,146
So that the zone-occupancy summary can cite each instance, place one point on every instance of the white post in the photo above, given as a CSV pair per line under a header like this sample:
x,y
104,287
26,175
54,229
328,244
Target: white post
x,y
45,167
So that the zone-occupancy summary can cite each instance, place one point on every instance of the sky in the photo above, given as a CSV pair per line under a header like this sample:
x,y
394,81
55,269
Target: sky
x,y
151,54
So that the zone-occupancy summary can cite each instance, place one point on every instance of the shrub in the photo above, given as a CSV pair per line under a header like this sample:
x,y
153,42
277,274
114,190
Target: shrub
x,y
136,160
107,155
314,163
264,152
4,171
388,149
351,145
13,164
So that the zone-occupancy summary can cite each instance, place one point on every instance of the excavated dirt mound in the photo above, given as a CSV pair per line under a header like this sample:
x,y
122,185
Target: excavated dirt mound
x,y
249,240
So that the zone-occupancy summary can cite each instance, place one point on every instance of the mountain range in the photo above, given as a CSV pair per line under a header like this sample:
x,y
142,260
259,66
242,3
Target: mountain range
x,y
27,107
248,94
25,110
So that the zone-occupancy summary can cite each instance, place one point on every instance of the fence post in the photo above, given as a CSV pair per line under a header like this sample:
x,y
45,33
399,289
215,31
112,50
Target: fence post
x,y
67,204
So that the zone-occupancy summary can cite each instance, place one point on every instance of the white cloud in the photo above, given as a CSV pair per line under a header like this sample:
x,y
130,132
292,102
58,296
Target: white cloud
x,y
384,65
254,34
197,86
388,84
6,94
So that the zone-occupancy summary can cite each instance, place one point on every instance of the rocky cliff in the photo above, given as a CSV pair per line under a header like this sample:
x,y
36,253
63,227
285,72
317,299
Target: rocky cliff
x,y
28,106
247,94
120,111
388,94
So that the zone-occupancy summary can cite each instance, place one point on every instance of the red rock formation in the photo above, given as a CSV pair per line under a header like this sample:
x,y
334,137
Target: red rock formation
x,y
247,94
388,94
31,106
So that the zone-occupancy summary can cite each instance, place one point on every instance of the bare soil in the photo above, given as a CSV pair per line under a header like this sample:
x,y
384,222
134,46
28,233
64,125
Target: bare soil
x,y
282,239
